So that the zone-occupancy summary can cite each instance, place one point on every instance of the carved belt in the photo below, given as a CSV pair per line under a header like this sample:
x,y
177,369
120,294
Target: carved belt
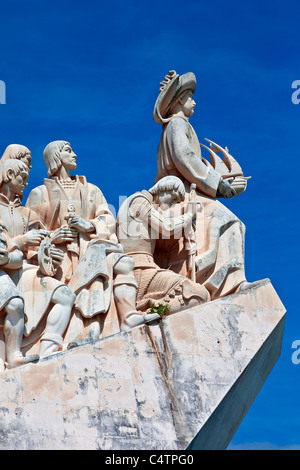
x,y
142,259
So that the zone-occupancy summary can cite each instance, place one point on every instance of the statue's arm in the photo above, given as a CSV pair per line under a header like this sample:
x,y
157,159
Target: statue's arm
x,y
10,256
38,202
168,225
35,234
15,259
165,223
103,222
189,165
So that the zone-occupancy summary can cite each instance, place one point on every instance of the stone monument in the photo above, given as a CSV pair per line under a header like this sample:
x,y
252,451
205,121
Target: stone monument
x,y
136,333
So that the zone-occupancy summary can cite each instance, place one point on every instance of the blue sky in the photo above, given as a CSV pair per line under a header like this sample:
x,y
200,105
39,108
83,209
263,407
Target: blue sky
x,y
89,72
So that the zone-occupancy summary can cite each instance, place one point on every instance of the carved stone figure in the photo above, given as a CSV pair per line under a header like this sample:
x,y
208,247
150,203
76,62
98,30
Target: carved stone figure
x,y
20,152
11,306
219,260
81,224
144,218
42,294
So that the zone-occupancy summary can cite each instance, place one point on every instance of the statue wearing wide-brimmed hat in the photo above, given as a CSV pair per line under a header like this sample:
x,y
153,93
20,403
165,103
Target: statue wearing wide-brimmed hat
x,y
172,89
219,261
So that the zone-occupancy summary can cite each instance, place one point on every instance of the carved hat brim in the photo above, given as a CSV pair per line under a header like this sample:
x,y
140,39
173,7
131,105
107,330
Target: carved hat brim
x,y
168,93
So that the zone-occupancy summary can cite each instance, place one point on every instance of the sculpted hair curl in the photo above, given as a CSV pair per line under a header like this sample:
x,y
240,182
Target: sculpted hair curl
x,y
17,151
169,183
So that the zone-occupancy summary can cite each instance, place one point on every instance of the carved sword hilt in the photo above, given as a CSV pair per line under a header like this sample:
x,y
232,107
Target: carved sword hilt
x,y
44,257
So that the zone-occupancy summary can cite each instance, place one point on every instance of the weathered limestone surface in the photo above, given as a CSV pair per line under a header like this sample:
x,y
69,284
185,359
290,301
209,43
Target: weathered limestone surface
x,y
184,382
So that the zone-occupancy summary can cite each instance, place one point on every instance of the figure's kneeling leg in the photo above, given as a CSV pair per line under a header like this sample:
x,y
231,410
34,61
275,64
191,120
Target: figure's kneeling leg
x,y
13,333
125,291
58,318
186,294
192,290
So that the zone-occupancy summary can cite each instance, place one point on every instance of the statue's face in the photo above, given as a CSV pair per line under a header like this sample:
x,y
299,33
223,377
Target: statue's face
x,y
188,104
27,160
167,199
19,182
68,157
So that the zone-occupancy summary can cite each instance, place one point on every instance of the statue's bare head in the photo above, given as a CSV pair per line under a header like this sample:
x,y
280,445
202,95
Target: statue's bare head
x,y
168,190
57,154
15,173
19,152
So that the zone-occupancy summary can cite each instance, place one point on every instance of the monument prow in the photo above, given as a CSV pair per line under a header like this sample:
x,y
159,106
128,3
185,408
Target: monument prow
x,y
184,382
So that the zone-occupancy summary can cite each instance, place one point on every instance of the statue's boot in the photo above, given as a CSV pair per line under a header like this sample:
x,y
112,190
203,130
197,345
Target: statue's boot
x,y
187,294
93,336
132,320
50,344
20,360
192,290
135,319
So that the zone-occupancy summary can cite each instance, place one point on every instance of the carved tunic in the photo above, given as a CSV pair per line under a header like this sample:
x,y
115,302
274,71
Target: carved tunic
x,y
17,218
179,154
139,225
36,289
50,201
8,289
